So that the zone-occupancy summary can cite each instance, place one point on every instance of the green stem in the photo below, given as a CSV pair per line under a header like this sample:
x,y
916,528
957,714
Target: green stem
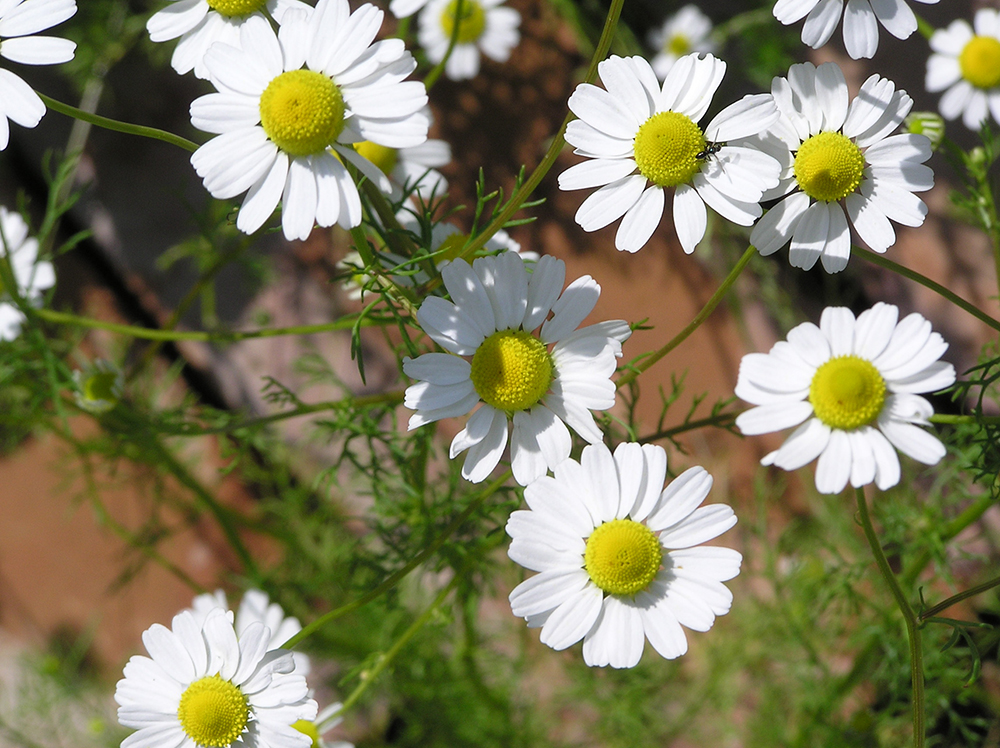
x,y
432,77
113,124
946,418
514,205
368,677
218,336
924,28
971,592
912,632
721,419
631,375
393,579
970,514
884,262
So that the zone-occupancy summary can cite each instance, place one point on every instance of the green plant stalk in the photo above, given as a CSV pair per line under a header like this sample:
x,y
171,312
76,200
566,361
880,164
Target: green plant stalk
x,y
220,336
925,29
971,592
433,76
970,514
393,579
631,375
947,418
912,632
369,677
113,124
721,419
884,262
558,141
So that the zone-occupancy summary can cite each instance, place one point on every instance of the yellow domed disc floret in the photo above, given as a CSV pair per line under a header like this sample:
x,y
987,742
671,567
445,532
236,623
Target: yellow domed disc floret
x,y
678,45
829,166
622,557
302,112
383,157
471,25
511,370
236,8
980,62
213,712
666,147
847,392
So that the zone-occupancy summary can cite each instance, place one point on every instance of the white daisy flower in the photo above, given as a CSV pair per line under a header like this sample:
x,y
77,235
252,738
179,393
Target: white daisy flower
x,y
637,125
99,387
255,607
853,386
860,26
541,382
967,63
414,169
484,27
33,276
201,686
617,558
840,163
326,720
444,236
201,23
290,106
20,22
684,32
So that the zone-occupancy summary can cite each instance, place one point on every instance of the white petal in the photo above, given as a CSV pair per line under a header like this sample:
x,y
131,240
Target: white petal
x,y
860,32
834,467
805,444
610,203
641,220
690,217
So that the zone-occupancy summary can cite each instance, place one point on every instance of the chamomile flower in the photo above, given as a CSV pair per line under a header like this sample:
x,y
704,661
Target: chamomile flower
x,y
290,106
444,236
255,607
966,61
99,387
635,125
201,23
33,276
20,22
861,19
326,720
619,556
201,686
540,382
414,169
684,32
853,385
840,164
484,26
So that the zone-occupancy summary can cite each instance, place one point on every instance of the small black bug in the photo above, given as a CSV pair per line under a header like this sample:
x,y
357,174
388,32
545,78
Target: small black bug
x,y
711,148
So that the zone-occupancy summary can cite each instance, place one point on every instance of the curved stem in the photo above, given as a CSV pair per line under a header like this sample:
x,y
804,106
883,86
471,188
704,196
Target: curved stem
x,y
558,141
113,124
631,375
946,418
393,579
971,592
456,19
877,259
916,651
219,336
368,677
720,420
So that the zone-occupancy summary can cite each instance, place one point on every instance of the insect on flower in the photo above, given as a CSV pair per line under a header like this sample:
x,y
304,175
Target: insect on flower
x,y
711,148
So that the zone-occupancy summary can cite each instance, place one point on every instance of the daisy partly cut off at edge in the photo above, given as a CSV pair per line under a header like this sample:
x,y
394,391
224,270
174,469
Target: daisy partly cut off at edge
x,y
861,20
201,23
619,556
854,386
201,686
841,162
966,61
635,125
20,22
484,27
289,108
684,32
540,382
33,276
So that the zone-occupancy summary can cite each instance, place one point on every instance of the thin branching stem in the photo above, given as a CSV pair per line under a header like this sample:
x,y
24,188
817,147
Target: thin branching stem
x,y
720,420
971,592
912,630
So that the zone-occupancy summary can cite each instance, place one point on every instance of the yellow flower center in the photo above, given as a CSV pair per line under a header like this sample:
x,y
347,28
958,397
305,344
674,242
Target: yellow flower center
x,y
302,112
236,8
829,166
622,557
665,149
384,158
980,62
678,45
847,392
213,712
308,728
471,23
511,370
